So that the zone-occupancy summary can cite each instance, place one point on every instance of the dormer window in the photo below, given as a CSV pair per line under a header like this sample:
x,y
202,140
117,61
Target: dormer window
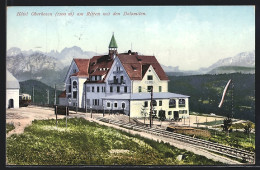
x,y
134,68
74,70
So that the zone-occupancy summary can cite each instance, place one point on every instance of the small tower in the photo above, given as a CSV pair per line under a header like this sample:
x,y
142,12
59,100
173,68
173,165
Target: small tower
x,y
112,47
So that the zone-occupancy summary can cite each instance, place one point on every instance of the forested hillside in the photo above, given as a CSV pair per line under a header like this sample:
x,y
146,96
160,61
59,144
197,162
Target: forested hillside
x,y
206,92
40,94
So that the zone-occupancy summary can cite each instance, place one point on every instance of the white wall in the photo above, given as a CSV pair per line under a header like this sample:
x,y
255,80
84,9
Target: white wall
x,y
137,105
156,82
12,94
95,95
110,77
119,105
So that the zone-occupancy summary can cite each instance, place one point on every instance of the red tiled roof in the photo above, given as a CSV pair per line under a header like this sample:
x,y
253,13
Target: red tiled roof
x,y
83,66
137,65
98,62
63,94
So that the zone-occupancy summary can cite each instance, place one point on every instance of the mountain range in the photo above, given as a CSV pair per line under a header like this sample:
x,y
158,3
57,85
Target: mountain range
x,y
52,66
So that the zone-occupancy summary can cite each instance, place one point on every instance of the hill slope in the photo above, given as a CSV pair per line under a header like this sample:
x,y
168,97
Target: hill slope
x,y
206,92
40,94
232,69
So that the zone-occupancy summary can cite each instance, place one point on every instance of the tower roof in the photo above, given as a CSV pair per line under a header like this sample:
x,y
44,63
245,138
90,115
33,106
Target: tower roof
x,y
11,81
112,43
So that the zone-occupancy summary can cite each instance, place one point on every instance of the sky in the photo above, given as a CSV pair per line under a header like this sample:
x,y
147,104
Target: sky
x,y
190,37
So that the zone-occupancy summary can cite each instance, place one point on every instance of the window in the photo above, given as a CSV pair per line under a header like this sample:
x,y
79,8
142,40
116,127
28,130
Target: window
x,y
123,105
96,102
172,103
184,111
88,89
96,78
75,84
154,103
88,101
169,112
122,79
149,88
104,89
160,103
146,104
93,89
111,89
160,88
74,94
115,105
181,102
74,70
98,89
108,104
149,77
69,88
140,89
118,89
125,89
115,79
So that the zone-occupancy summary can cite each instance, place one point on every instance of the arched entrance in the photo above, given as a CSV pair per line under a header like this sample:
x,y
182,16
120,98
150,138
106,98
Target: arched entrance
x,y
11,103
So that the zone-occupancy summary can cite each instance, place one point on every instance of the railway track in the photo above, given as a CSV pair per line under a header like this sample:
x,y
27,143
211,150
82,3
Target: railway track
x,y
200,143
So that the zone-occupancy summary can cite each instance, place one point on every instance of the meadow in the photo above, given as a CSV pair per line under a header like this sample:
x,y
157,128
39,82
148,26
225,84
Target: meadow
x,y
88,143
9,127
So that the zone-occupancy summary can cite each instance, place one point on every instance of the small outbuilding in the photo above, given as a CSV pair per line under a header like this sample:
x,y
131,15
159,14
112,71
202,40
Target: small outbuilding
x,y
12,91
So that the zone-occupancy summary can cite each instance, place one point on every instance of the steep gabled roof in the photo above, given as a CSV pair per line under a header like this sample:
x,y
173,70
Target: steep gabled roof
x,y
83,66
11,81
100,65
63,94
137,65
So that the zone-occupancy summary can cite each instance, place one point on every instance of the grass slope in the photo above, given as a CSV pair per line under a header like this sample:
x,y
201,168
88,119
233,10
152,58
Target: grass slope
x,y
9,127
88,143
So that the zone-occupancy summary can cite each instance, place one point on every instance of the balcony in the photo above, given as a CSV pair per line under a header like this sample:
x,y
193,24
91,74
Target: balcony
x,y
116,82
118,71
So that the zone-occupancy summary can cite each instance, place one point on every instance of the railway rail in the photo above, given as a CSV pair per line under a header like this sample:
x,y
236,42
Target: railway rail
x,y
200,143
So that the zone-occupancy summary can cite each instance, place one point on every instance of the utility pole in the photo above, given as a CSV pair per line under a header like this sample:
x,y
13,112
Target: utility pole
x,y
47,91
151,107
33,93
55,95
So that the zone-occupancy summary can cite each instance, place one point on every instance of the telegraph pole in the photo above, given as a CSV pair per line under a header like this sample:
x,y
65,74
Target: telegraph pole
x,y
151,107
47,91
55,96
33,93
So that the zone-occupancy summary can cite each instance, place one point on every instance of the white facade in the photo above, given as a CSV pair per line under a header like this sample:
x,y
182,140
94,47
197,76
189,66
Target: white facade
x,y
142,85
12,98
74,86
12,91
113,89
